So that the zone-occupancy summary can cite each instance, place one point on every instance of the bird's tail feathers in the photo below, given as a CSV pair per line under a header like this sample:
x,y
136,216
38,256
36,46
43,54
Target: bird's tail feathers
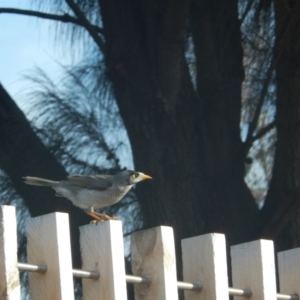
x,y
39,181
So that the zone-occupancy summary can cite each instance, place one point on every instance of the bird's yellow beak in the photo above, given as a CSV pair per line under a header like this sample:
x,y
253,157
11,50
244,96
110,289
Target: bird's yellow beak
x,y
144,176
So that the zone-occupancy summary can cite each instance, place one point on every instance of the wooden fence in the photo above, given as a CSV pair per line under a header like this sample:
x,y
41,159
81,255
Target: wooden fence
x,y
153,263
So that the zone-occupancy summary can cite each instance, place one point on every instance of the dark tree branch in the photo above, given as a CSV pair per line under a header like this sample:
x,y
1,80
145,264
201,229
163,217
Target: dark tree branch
x,y
23,153
247,9
263,131
88,26
253,124
282,216
65,18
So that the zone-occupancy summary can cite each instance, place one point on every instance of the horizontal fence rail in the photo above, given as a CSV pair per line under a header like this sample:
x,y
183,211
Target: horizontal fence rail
x,y
153,263
246,293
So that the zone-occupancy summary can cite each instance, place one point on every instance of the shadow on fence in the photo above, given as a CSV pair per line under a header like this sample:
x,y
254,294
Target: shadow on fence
x,y
153,263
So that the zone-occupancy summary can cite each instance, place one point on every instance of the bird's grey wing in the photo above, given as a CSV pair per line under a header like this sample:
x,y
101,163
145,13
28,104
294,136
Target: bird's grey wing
x,y
95,182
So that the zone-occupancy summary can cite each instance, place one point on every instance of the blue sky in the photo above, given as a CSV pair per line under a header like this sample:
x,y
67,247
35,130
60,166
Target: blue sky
x,y
25,42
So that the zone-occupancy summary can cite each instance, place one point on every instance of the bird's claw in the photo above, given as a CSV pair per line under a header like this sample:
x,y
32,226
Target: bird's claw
x,y
99,217
103,220
96,221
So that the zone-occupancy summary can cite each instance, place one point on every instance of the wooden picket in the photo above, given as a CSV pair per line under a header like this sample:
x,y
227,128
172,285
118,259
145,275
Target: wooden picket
x,y
253,266
9,275
153,255
204,260
102,250
48,242
289,271
153,264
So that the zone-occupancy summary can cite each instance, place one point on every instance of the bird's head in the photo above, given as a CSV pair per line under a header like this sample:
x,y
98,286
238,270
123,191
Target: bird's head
x,y
129,177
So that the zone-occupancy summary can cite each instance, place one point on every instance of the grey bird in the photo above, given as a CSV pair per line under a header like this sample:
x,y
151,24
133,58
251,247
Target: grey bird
x,y
92,191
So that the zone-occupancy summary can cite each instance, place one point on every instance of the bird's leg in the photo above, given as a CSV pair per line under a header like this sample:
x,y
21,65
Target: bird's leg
x,y
98,217
91,214
104,216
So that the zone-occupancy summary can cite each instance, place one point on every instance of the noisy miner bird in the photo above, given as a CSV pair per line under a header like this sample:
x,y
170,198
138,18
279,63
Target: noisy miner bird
x,y
92,191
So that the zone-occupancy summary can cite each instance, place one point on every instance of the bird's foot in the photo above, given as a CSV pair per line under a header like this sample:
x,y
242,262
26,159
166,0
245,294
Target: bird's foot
x,y
99,217
103,220
96,221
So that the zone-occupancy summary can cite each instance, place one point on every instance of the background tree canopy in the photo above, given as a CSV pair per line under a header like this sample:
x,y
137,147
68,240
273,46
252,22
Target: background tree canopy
x,y
208,94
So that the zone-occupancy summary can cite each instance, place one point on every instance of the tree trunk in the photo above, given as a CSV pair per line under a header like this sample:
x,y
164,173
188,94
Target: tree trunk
x,y
23,154
188,140
281,208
